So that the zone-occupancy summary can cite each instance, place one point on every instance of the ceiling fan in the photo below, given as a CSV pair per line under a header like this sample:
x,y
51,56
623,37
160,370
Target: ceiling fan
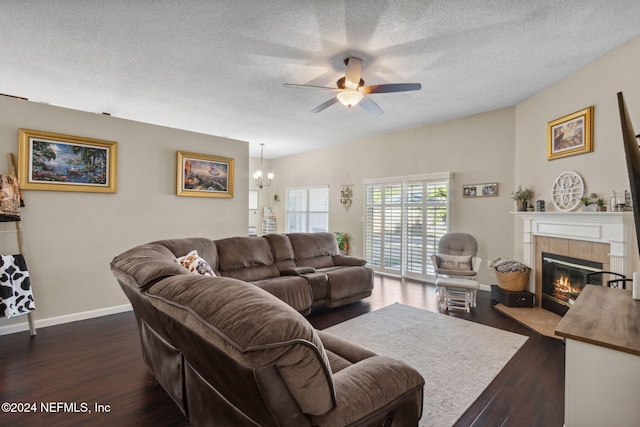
x,y
351,89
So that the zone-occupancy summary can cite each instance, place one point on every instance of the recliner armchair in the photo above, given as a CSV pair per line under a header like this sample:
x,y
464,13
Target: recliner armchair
x,y
456,256
456,266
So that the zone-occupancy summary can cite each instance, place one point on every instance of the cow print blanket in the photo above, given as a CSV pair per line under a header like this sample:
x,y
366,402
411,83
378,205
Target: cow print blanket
x,y
15,287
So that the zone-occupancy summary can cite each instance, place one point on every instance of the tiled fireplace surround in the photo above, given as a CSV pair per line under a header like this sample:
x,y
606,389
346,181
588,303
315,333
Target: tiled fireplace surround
x,y
605,237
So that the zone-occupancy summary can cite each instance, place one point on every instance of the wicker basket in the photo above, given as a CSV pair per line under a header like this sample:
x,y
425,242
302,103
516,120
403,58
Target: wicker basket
x,y
513,282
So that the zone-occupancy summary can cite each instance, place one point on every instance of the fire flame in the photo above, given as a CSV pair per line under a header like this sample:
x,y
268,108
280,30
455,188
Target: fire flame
x,y
563,285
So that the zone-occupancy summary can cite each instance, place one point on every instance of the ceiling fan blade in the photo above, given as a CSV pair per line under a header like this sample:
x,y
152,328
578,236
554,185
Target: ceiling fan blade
x,y
392,87
354,72
327,104
333,89
370,106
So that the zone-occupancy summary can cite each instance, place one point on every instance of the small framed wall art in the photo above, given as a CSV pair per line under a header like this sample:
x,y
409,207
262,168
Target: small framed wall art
x,y
569,135
202,175
53,161
480,190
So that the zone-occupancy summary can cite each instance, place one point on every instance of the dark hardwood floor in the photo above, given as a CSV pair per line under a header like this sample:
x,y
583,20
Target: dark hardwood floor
x,y
99,361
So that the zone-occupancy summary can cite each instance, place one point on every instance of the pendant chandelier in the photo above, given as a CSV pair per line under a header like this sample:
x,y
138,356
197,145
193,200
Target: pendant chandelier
x,y
258,175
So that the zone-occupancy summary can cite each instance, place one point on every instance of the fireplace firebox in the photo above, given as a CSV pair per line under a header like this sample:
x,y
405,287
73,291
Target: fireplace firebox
x,y
563,278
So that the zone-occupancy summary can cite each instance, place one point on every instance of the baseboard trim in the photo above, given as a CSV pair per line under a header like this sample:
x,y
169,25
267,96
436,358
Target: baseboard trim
x,y
67,318
482,287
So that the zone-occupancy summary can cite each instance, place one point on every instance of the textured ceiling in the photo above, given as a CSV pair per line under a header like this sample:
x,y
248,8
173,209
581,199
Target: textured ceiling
x,y
218,67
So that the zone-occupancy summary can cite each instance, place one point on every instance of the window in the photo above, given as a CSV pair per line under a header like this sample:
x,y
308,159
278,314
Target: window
x,y
405,218
308,210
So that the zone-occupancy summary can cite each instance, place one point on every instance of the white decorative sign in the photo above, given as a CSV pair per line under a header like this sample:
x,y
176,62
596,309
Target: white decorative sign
x,y
567,190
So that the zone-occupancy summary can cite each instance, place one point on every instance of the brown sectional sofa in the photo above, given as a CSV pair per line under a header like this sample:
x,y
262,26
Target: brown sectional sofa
x,y
236,350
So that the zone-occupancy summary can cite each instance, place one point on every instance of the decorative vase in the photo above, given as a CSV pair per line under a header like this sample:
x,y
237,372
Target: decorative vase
x,y
521,205
601,208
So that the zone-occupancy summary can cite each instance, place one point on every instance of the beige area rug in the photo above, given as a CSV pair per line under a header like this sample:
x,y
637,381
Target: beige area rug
x,y
457,358
538,319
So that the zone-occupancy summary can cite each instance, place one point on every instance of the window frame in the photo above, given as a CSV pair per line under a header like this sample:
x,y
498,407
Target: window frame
x,y
307,212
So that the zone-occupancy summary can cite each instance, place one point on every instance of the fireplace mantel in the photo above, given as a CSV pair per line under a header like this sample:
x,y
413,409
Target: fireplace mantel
x,y
613,228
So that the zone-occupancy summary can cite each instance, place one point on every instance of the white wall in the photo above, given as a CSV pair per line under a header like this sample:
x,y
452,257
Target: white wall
x,y
597,84
70,238
477,149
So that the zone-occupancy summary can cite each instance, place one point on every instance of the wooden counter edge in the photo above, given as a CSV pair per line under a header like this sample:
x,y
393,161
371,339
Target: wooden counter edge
x,y
600,308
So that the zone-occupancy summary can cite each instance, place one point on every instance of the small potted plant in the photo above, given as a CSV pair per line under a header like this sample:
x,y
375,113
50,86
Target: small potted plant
x,y
600,206
521,197
588,201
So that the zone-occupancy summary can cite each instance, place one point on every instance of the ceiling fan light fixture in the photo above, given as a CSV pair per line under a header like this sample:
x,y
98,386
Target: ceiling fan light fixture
x,y
349,97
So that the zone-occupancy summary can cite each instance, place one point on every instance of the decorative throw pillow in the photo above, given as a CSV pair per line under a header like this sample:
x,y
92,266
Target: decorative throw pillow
x,y
453,262
195,264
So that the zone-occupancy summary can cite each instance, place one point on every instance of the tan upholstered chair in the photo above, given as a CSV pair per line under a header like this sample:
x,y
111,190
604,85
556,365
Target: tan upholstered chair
x,y
456,266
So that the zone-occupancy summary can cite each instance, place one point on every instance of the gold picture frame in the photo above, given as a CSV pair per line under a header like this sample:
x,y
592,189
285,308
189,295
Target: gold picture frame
x,y
570,135
58,162
202,175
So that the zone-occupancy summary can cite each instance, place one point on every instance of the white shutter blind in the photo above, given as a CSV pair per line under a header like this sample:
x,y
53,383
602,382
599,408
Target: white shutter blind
x,y
403,222
393,227
414,227
373,225
436,218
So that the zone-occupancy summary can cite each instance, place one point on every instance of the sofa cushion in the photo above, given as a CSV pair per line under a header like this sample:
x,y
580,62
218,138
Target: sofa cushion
x,y
246,258
317,262
145,265
347,261
293,290
309,245
341,352
255,328
180,247
372,390
345,282
282,250
314,249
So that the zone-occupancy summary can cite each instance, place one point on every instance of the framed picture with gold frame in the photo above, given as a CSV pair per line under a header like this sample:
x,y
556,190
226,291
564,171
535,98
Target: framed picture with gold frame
x,y
57,162
202,175
569,135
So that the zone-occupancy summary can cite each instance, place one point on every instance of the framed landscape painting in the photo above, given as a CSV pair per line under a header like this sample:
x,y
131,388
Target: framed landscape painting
x,y
52,161
569,135
202,175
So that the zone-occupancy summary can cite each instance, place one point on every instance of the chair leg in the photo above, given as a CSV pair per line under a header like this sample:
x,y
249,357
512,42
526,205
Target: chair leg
x,y
459,298
456,298
442,297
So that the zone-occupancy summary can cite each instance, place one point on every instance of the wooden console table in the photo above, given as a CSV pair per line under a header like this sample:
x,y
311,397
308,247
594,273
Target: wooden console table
x,y
602,363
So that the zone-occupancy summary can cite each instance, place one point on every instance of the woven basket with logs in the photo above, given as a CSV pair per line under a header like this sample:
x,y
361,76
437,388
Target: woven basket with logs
x,y
512,275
